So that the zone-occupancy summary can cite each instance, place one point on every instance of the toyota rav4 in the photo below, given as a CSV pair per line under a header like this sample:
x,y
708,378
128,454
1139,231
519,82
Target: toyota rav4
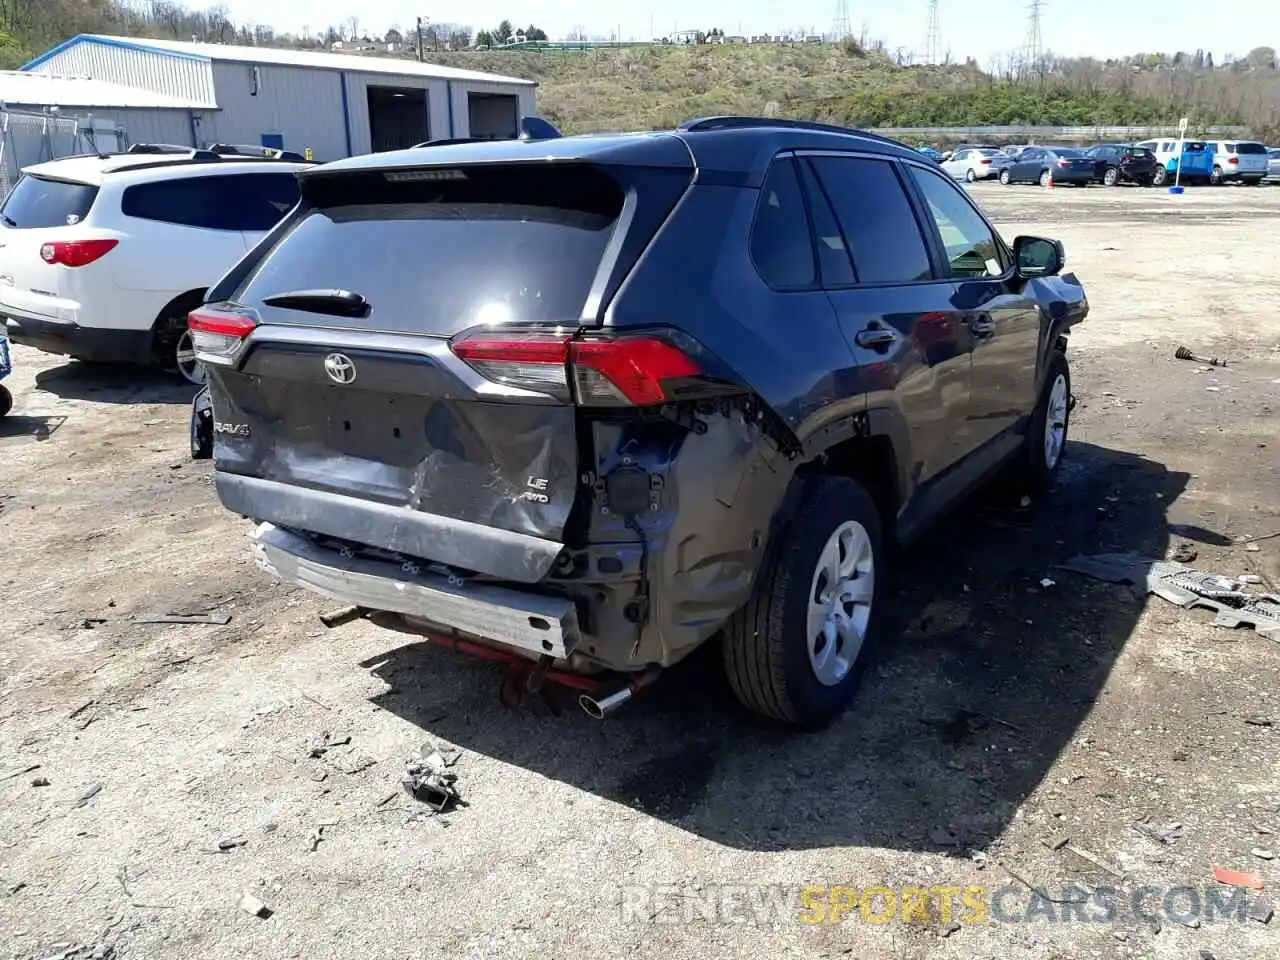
x,y
593,401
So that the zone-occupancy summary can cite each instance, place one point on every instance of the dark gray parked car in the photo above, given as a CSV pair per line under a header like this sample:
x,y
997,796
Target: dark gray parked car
x,y
591,401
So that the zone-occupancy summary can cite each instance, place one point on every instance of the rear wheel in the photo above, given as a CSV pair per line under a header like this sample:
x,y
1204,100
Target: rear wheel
x,y
1111,177
968,176
797,650
6,401
1046,177
1005,178
1046,438
1215,178
174,350
1160,176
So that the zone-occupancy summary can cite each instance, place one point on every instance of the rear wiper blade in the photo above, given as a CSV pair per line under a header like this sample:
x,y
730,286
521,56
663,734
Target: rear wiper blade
x,y
335,303
8,220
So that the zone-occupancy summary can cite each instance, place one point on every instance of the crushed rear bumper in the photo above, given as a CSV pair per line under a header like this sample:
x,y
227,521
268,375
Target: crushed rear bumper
x,y
532,623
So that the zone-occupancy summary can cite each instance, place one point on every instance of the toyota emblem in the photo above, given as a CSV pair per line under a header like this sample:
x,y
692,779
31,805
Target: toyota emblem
x,y
340,368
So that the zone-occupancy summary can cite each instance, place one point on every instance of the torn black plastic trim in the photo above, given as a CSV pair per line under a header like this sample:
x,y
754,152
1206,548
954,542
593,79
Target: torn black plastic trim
x,y
502,554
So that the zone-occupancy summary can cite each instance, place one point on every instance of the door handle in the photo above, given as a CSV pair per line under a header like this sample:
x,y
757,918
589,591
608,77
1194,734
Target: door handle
x,y
876,338
982,325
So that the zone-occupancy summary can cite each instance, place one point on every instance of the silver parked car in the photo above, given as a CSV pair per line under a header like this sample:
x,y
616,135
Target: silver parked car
x,y
976,163
1273,168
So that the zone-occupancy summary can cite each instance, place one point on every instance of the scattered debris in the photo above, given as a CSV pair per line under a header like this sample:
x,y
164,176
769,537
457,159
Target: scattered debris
x,y
1096,861
1186,921
218,619
1165,835
253,906
88,623
1259,721
1186,587
317,701
231,843
88,794
1207,955
1261,910
1262,536
17,773
40,782
1252,548
357,764
326,742
1263,854
1185,553
427,779
1057,841
1183,353
1249,578
314,837
320,775
947,929
1234,878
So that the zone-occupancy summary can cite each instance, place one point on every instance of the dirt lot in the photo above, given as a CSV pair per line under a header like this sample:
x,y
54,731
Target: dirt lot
x,y
1007,714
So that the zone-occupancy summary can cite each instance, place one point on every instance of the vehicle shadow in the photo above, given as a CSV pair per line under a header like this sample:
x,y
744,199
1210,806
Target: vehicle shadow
x,y
110,383
960,717
41,428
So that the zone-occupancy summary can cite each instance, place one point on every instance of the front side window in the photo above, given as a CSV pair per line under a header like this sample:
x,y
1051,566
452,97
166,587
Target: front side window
x,y
780,243
876,218
972,250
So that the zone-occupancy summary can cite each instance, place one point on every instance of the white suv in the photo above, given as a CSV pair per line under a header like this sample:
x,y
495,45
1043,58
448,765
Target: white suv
x,y
1239,160
103,257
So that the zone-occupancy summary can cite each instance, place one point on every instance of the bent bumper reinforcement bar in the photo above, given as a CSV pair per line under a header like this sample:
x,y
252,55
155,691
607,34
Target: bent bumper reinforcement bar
x,y
539,625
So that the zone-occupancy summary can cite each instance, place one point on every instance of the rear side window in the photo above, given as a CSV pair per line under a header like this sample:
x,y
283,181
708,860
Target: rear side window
x,y
439,256
876,218
780,242
1250,149
35,202
258,201
190,202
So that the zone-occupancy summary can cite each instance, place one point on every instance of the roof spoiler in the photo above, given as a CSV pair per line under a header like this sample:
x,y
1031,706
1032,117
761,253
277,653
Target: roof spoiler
x,y
531,128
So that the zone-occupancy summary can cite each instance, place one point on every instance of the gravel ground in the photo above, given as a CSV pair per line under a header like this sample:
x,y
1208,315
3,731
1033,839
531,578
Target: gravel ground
x,y
1011,714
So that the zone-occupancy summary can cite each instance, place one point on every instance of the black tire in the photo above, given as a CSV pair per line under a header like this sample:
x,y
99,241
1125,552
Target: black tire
x,y
201,428
968,176
766,650
1215,177
1046,177
1005,179
1111,177
6,402
1033,472
1160,177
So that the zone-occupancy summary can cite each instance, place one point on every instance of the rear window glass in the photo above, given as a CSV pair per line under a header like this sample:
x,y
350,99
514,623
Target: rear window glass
x,y
37,202
1251,149
1069,152
1193,146
441,256
1137,152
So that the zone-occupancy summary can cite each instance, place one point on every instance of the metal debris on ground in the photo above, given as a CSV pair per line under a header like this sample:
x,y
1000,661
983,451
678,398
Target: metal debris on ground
x,y
326,742
1261,910
217,619
1234,878
1182,353
17,773
336,618
1263,854
428,779
253,906
40,782
1186,587
1162,835
230,843
314,838
1185,553
88,794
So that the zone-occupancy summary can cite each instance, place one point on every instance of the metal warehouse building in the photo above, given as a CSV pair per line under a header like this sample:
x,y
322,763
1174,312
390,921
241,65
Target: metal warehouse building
x,y
338,105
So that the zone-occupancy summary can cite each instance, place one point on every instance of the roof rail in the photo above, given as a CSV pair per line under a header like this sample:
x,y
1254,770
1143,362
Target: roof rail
x,y
745,123
158,148
255,152
447,141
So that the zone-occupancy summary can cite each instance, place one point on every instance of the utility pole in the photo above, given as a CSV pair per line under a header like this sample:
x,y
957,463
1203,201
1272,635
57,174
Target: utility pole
x,y
933,36
421,55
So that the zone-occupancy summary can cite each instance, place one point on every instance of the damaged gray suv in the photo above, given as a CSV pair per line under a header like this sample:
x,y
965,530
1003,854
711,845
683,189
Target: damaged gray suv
x,y
585,403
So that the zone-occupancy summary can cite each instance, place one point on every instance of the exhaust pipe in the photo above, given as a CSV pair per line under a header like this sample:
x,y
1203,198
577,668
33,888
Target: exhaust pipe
x,y
599,708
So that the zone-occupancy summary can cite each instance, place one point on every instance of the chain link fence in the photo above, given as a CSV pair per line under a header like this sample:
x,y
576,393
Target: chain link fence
x,y
27,138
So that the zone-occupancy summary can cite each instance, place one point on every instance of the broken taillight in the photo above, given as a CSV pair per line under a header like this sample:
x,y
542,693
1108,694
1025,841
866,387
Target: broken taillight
x,y
640,371
75,253
217,335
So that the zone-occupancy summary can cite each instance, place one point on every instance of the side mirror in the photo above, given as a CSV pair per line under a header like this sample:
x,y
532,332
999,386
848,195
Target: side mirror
x,y
1038,256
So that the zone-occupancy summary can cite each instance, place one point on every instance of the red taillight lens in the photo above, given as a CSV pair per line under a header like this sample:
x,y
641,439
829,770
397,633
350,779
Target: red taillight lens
x,y
75,253
1064,162
1234,160
217,335
985,162
627,371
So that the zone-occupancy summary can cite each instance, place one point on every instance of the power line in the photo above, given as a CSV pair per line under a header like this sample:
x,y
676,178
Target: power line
x,y
1034,49
933,36
840,29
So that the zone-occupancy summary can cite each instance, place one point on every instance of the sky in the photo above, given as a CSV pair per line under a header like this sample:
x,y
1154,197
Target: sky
x,y
1099,28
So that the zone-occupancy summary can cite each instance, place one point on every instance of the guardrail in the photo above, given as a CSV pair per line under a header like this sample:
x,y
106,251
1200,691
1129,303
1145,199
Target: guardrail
x,y
1042,134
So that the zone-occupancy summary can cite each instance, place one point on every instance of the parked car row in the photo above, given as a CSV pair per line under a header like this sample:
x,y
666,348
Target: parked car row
x,y
1149,163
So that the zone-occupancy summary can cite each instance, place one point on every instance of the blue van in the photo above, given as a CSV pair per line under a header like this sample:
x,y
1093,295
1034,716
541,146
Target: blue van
x,y
1196,160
